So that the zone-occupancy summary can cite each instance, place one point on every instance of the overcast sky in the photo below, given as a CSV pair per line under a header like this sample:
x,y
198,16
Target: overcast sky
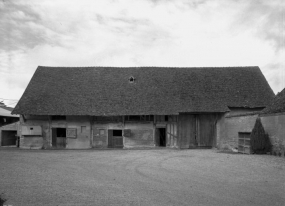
x,y
172,33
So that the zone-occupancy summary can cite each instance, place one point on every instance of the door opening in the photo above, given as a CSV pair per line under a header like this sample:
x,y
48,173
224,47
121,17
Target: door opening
x,y
115,138
161,137
59,137
9,138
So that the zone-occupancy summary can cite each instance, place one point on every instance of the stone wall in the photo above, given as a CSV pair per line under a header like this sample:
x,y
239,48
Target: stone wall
x,y
142,134
80,123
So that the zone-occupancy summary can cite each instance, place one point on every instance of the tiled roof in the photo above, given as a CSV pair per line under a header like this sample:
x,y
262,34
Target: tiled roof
x,y
155,90
277,105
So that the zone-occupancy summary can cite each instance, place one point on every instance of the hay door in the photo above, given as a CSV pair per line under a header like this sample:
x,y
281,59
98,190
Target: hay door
x,y
206,130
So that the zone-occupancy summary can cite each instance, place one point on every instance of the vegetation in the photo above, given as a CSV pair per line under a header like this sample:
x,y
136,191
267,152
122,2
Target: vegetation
x,y
2,199
259,140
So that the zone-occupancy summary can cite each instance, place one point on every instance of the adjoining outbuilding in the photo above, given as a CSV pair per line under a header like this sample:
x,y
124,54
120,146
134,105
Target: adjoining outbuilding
x,y
9,124
126,107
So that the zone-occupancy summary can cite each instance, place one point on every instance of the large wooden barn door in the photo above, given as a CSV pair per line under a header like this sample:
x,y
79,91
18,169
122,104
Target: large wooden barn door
x,y
206,130
187,130
196,130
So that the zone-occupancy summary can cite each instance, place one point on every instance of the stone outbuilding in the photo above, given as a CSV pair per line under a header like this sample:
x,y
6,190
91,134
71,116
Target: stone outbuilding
x,y
127,107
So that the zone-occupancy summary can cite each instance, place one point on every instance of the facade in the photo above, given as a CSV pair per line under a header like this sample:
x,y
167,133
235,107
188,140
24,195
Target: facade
x,y
132,107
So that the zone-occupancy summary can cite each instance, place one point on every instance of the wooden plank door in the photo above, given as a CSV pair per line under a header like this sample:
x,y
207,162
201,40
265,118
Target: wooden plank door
x,y
61,142
206,130
100,137
118,141
187,130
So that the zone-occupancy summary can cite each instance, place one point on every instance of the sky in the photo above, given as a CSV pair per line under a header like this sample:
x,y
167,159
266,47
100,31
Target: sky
x,y
170,33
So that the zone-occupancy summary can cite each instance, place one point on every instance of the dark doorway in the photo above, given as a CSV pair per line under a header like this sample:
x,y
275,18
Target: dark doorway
x,y
9,138
161,137
59,137
115,138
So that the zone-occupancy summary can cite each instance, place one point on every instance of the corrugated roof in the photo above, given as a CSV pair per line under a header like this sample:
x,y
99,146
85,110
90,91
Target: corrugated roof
x,y
277,105
6,112
155,90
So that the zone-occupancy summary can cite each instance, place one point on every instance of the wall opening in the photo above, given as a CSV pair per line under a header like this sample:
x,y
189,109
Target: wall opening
x,y
117,133
115,138
160,137
9,138
59,137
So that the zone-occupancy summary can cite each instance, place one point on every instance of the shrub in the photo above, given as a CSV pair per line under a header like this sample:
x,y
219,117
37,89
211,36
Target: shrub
x,y
259,140
2,199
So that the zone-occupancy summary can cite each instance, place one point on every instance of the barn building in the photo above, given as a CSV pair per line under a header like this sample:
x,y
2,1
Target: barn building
x,y
127,107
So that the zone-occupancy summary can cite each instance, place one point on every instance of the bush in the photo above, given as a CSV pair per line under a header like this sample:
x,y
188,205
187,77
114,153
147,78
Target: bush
x,y
259,140
2,199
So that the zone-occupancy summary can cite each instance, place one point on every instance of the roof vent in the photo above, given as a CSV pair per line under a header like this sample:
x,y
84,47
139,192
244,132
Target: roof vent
x,y
131,79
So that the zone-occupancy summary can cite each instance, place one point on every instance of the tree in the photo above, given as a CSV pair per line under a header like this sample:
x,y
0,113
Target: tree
x,y
259,139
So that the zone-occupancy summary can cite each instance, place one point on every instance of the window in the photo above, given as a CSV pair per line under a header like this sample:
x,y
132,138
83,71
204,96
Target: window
x,y
71,132
83,129
58,117
142,118
101,131
60,132
131,79
117,133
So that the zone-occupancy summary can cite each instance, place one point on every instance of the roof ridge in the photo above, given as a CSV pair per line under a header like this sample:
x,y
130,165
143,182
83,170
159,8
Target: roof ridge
x,y
146,67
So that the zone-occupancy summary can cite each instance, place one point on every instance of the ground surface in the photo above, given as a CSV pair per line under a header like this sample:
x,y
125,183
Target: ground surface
x,y
140,177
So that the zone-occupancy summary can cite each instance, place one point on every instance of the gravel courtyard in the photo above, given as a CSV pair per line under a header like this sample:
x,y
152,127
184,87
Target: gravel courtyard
x,y
140,177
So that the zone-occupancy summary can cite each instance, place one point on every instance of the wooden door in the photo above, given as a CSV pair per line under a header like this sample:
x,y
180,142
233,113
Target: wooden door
x,y
206,130
115,140
100,137
118,141
61,142
187,130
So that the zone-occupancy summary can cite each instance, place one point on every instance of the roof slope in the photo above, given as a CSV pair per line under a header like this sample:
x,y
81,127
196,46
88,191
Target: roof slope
x,y
277,105
156,90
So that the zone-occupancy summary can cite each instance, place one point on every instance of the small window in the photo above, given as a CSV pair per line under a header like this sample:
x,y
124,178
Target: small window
x,y
134,118
131,79
58,117
83,129
117,133
101,132
71,132
61,132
